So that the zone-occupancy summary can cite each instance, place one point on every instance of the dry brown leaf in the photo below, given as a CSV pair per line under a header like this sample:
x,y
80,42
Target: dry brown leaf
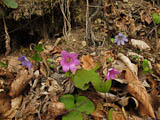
x,y
13,64
136,89
7,74
5,103
158,114
117,115
148,19
43,70
56,50
125,101
15,103
157,68
56,108
132,27
128,63
98,112
140,44
88,62
20,83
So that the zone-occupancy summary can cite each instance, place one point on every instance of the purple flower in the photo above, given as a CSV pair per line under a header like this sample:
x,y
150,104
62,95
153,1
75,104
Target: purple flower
x,y
120,39
111,73
25,61
69,61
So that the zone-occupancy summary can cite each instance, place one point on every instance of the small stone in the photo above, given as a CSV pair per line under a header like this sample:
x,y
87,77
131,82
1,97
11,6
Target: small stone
x,y
125,1
84,43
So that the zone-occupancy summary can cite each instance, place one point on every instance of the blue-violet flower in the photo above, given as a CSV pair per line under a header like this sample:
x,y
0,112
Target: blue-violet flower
x,y
25,61
120,39
69,61
111,73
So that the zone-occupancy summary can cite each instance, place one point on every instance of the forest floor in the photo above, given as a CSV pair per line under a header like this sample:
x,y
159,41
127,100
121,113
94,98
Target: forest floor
x,y
66,77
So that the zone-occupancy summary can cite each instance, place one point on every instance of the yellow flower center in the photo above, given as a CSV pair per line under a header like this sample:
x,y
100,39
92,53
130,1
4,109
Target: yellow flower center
x,y
120,37
68,60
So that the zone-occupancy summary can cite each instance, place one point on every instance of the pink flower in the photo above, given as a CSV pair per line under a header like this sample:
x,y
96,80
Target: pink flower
x,y
111,73
69,61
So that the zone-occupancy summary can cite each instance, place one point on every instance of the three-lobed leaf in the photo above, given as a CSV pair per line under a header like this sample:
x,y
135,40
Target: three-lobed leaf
x,y
10,3
77,105
68,100
84,105
73,115
83,77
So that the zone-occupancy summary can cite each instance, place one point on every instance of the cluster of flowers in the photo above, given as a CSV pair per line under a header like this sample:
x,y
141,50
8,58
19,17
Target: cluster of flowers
x,y
69,60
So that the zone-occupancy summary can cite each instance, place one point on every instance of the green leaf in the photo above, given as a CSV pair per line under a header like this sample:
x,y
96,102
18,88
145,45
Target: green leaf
x,y
145,63
77,105
10,3
110,59
39,48
156,18
5,65
50,60
83,77
37,58
74,115
68,100
68,74
110,114
106,86
84,104
112,40
146,68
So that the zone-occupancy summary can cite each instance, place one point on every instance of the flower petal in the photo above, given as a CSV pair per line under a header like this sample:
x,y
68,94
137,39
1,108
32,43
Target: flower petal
x,y
73,68
116,39
120,34
119,43
65,68
108,76
126,40
63,62
115,71
122,42
112,76
21,58
74,55
64,53
77,62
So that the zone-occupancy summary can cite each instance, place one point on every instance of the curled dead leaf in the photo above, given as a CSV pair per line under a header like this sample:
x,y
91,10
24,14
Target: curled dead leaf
x,y
88,62
126,101
20,83
128,63
136,89
56,108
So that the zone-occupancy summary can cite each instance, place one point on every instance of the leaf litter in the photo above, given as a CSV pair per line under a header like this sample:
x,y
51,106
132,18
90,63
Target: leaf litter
x,y
29,94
